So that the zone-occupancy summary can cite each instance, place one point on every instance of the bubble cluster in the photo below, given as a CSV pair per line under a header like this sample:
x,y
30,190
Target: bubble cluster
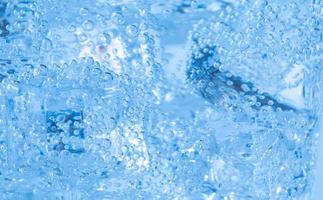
x,y
240,62
71,118
91,109
246,35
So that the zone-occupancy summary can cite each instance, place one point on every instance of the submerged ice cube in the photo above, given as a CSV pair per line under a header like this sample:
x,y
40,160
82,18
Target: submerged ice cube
x,y
226,54
65,123
213,83
158,99
54,120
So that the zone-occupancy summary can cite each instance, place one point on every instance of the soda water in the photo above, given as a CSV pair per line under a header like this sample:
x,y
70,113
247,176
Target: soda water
x,y
185,99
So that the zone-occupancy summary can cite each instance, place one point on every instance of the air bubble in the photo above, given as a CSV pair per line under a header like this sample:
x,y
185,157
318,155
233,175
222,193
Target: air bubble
x,y
229,83
82,37
72,28
47,45
132,30
117,18
88,25
84,11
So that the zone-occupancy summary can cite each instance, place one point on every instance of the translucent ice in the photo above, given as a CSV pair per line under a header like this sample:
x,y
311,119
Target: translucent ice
x,y
158,99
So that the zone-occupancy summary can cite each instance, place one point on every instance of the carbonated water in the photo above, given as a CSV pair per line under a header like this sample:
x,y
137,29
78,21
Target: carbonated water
x,y
159,99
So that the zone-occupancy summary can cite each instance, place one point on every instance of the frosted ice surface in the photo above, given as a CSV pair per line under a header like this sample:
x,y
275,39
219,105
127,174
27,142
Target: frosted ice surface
x,y
158,99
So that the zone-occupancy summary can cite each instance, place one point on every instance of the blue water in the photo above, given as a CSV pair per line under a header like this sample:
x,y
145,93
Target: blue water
x,y
160,99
